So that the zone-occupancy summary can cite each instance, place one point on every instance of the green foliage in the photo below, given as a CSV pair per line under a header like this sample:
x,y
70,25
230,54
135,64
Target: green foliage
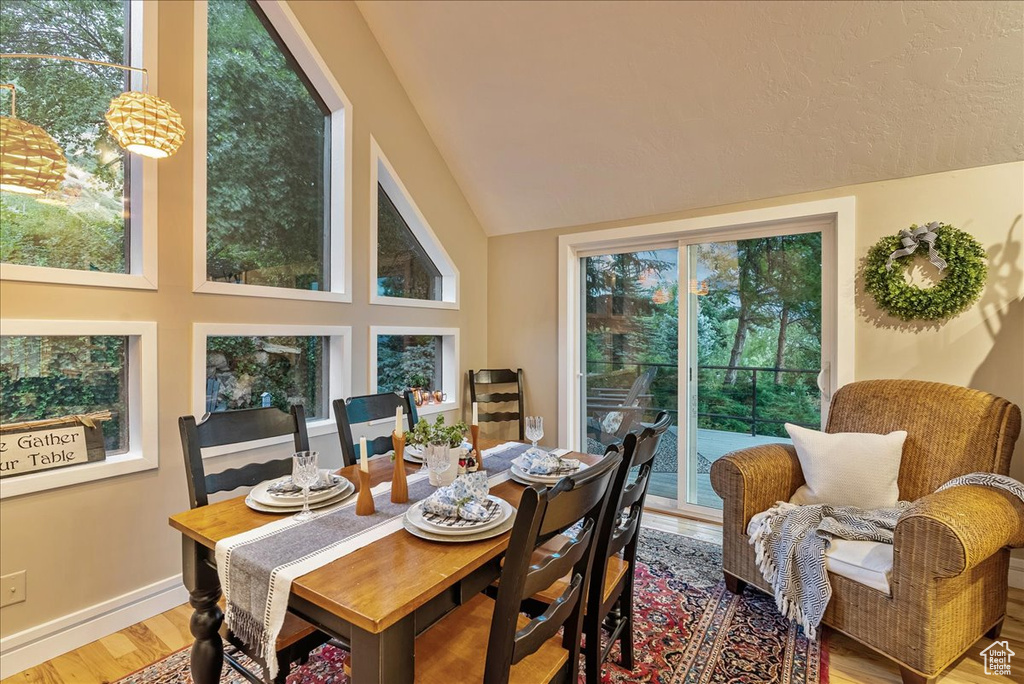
x,y
265,158
52,377
251,371
963,281
423,433
82,226
403,267
405,361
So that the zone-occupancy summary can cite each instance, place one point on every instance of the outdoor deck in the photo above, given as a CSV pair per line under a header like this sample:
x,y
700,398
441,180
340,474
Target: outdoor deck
x,y
711,445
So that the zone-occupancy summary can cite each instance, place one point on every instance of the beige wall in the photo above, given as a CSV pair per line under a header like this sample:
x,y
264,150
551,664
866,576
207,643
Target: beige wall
x,y
982,348
85,544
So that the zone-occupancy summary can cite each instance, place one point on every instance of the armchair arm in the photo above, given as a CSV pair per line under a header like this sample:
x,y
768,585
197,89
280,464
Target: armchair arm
x,y
752,480
949,532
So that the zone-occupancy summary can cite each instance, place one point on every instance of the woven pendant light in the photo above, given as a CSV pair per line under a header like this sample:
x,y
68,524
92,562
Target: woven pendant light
x,y
145,124
31,162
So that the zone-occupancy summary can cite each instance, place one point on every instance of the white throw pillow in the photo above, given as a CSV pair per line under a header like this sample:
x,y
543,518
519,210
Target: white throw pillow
x,y
848,468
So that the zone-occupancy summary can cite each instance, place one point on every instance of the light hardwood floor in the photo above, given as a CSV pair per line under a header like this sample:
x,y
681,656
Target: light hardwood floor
x,y
130,649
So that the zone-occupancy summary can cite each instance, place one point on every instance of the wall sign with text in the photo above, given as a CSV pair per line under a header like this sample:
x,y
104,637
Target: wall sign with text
x,y
54,446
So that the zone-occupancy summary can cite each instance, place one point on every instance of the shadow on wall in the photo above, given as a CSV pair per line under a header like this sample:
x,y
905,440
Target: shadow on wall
x,y
1003,311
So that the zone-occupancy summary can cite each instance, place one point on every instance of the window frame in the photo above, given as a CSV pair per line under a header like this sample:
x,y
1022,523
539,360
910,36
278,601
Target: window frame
x,y
338,250
382,173
143,445
141,231
339,372
450,369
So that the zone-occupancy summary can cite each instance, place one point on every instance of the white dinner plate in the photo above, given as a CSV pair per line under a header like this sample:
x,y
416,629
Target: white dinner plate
x,y
260,494
287,510
461,538
413,454
415,516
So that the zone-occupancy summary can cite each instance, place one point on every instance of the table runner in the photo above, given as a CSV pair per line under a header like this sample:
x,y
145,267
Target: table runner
x,y
256,568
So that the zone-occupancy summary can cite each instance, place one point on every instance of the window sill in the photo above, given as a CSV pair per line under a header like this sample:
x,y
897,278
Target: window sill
x,y
430,409
68,276
119,464
314,428
414,303
243,290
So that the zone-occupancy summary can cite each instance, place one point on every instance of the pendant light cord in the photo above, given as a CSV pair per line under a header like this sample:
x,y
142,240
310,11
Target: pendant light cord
x,y
82,60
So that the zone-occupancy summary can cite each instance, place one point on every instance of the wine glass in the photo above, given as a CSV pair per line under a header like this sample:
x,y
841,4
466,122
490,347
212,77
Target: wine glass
x,y
534,429
305,474
438,461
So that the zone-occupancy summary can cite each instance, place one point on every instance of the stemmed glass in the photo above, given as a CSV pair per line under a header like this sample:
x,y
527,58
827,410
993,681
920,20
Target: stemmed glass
x,y
534,429
305,474
438,461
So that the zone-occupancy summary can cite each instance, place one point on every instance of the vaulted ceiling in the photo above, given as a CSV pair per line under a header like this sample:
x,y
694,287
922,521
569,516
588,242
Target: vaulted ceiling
x,y
566,113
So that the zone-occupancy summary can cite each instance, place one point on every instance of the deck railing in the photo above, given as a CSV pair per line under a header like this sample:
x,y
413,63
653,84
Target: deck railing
x,y
753,419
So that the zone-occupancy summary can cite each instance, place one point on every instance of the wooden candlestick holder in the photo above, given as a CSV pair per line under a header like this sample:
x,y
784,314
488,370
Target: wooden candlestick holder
x,y
399,485
364,504
474,431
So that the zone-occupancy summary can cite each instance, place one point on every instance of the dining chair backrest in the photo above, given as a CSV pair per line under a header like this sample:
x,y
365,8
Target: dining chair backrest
x,y
234,427
543,514
481,392
621,527
366,408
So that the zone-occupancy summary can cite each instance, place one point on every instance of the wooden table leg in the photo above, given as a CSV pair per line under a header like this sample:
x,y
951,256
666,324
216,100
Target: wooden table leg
x,y
387,657
204,590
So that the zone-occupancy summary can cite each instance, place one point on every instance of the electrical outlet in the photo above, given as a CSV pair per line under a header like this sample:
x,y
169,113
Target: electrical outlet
x,y
12,588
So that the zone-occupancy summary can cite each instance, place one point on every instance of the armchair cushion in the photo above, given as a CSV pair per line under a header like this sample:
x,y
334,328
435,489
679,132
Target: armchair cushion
x,y
848,468
947,533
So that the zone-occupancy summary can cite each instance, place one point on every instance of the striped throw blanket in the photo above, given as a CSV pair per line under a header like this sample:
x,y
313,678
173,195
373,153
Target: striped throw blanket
x,y
790,542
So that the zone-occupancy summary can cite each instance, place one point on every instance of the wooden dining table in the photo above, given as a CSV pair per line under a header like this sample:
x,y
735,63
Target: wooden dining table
x,y
377,598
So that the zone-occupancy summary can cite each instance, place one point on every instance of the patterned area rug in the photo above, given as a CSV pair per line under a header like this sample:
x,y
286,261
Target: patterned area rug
x,y
689,630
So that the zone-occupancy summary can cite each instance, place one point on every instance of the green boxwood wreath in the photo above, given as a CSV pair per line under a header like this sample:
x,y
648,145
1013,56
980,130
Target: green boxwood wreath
x,y
964,279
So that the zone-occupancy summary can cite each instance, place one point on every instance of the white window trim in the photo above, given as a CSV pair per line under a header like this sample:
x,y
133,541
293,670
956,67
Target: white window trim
x,y
842,210
450,371
382,172
339,372
142,226
143,445
315,69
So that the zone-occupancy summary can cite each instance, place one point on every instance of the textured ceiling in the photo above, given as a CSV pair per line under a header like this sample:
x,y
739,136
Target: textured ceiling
x,y
566,113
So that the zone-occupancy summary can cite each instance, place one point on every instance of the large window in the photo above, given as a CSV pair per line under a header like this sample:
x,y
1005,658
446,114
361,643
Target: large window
x,y
241,366
408,266
250,372
56,369
53,377
423,359
92,224
271,219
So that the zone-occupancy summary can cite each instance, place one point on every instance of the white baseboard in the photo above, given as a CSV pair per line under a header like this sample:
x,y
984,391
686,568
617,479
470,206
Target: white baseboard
x,y
1017,573
38,644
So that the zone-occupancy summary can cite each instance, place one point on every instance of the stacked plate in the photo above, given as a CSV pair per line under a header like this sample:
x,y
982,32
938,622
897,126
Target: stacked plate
x,y
435,527
279,496
523,477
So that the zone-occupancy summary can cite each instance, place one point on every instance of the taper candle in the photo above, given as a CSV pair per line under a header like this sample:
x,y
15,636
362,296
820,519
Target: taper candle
x,y
398,420
364,462
475,416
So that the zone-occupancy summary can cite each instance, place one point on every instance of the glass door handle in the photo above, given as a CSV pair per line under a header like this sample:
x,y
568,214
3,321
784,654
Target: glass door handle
x,y
824,382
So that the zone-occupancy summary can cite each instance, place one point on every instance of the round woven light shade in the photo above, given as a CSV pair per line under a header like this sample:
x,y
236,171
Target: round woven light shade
x,y
31,162
145,124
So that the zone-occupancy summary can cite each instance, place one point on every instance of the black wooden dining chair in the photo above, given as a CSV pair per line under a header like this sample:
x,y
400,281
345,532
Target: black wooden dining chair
x,y
297,637
365,408
521,650
492,386
610,602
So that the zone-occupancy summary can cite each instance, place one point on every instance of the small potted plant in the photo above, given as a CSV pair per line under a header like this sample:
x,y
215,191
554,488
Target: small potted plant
x,y
439,442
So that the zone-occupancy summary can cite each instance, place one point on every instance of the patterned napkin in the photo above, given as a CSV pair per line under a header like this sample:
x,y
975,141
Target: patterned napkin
x,y
464,498
286,486
539,462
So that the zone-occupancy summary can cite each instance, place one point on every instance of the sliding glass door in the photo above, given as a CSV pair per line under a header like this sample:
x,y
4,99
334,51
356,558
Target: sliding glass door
x,y
740,314
630,321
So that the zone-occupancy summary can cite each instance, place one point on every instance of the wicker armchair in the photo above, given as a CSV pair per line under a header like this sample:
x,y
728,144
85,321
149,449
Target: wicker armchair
x,y
951,549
